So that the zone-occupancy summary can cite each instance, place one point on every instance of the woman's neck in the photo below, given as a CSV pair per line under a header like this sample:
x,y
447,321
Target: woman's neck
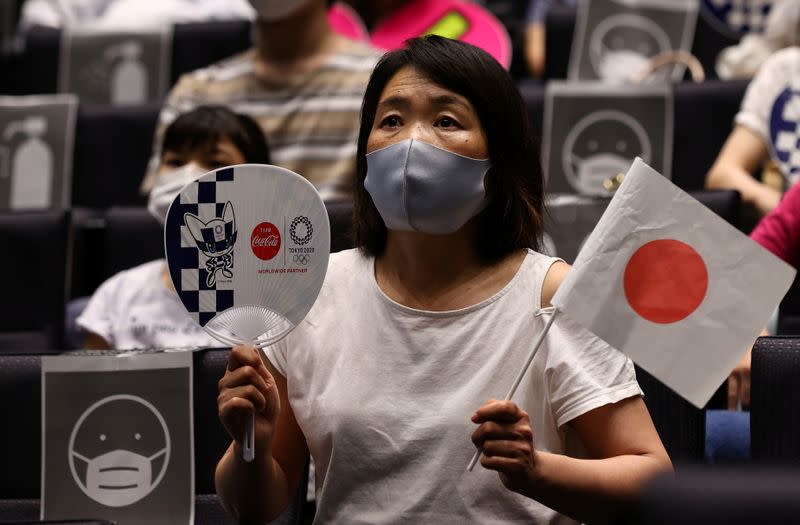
x,y
297,44
440,272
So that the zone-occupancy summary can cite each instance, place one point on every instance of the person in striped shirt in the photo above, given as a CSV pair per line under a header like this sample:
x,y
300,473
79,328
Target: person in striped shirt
x,y
301,82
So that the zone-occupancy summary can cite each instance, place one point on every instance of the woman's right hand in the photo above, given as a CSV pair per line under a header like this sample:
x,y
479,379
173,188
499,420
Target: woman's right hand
x,y
248,387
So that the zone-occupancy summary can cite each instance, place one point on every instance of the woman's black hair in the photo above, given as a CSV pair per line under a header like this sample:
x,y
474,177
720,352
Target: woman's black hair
x,y
513,217
203,127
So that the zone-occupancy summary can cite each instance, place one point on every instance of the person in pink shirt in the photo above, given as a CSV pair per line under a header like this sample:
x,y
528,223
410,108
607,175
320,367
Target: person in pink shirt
x,y
779,231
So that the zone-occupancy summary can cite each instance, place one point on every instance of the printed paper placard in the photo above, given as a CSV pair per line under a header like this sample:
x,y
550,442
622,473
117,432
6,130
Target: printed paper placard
x,y
115,67
614,39
593,131
117,438
37,135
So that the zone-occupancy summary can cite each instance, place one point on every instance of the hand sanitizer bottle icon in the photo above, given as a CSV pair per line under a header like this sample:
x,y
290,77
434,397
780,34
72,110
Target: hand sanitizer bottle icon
x,y
129,76
31,164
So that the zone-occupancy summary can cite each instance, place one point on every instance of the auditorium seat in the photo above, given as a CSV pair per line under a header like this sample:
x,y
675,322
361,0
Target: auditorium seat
x,y
560,24
680,424
559,32
740,496
132,237
703,119
207,511
33,266
775,398
704,116
194,45
199,44
20,443
708,42
340,214
789,311
112,148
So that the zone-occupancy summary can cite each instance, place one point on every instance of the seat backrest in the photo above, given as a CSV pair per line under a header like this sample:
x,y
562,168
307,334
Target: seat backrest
x,y
789,311
774,398
211,440
200,44
704,115
20,441
681,425
36,70
112,148
725,203
131,237
740,496
34,263
560,31
708,42
194,45
340,215
533,95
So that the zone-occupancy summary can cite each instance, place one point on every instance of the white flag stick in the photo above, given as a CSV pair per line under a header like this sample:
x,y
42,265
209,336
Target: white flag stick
x,y
518,380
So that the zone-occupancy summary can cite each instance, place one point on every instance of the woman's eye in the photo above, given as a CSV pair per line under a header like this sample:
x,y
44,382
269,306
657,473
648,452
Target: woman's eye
x,y
446,122
392,121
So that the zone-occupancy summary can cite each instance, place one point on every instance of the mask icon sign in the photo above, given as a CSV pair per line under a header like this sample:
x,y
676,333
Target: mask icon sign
x,y
622,45
121,463
601,147
615,40
593,131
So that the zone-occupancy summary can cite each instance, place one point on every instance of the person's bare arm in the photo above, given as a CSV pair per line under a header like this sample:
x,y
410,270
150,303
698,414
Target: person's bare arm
x,y
620,437
535,42
742,154
259,491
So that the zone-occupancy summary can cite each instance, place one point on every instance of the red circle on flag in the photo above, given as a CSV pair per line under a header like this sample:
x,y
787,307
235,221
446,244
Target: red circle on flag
x,y
265,241
665,281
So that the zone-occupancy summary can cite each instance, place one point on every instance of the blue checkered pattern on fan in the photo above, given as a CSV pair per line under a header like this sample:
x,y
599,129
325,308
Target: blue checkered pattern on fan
x,y
188,265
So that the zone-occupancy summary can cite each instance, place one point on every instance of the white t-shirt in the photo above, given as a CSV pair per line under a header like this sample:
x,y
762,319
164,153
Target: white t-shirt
x,y
134,309
771,108
384,393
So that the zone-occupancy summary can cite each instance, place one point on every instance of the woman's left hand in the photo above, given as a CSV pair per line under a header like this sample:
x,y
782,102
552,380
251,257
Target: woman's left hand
x,y
504,431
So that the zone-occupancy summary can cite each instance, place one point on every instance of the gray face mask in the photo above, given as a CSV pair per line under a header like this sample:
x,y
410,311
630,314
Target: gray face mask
x,y
418,187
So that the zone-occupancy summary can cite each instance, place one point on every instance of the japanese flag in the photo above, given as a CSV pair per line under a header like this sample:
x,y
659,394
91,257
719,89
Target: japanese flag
x,y
672,285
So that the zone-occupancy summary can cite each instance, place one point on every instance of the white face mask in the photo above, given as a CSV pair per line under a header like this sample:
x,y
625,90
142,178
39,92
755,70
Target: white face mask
x,y
593,171
168,186
120,477
272,10
622,65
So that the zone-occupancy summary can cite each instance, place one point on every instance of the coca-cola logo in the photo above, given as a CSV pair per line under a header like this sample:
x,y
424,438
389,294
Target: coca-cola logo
x,y
265,241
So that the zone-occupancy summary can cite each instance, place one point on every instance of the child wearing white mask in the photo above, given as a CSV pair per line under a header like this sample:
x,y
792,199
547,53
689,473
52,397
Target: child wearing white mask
x,y
138,308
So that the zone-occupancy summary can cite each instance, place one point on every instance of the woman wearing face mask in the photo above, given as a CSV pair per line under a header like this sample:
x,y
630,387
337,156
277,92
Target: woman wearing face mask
x,y
138,308
386,380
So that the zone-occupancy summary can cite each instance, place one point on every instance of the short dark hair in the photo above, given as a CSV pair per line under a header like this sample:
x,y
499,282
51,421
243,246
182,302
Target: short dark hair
x,y
201,128
513,217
